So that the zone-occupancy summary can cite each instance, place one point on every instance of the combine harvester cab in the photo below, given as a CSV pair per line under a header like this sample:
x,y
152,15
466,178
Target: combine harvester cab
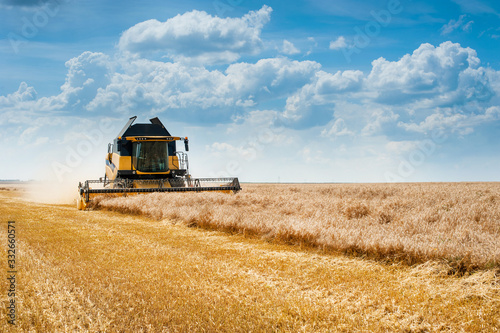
x,y
143,159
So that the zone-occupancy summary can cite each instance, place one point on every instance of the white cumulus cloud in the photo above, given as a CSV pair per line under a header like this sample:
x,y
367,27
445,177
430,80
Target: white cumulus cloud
x,y
445,74
454,121
339,43
23,94
338,128
197,92
313,103
435,84
289,48
199,37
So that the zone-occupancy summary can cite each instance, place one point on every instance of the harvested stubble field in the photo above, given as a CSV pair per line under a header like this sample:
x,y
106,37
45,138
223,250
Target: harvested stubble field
x,y
104,271
457,223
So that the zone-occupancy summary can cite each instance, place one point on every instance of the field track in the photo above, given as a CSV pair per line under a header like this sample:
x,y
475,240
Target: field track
x,y
106,271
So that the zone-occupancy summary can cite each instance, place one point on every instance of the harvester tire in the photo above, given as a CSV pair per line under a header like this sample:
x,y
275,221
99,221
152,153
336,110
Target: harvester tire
x,y
79,203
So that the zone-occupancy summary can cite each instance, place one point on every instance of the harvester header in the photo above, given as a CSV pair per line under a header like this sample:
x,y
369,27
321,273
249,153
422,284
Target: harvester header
x,y
144,158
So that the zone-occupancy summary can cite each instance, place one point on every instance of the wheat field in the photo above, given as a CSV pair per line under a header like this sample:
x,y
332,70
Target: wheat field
x,y
457,223
105,271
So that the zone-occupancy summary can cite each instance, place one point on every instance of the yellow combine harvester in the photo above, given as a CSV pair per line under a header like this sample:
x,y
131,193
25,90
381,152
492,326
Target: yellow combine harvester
x,y
143,158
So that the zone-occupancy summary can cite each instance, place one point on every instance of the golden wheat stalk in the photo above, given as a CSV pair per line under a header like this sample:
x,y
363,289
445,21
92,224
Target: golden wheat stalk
x,y
413,223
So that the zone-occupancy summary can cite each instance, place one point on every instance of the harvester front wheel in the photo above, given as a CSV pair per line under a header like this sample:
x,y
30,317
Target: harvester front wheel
x,y
79,203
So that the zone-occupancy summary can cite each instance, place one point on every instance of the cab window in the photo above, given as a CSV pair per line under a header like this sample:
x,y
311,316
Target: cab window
x,y
150,156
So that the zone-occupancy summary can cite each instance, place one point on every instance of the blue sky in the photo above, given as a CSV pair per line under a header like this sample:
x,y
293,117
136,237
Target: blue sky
x,y
309,91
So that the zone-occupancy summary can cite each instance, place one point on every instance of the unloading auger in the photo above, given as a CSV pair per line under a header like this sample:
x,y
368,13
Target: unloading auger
x,y
144,158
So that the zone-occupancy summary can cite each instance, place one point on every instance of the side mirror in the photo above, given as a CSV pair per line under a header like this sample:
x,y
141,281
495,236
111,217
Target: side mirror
x,y
186,144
